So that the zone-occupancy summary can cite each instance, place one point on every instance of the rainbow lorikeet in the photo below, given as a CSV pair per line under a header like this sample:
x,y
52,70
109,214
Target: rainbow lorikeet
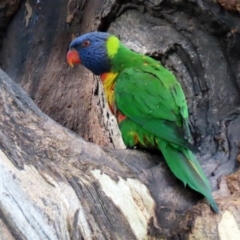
x,y
147,100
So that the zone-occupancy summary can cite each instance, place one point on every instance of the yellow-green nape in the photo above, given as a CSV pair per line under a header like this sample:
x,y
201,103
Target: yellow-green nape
x,y
113,44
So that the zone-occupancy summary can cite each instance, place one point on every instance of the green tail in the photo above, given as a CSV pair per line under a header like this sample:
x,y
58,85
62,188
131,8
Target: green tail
x,y
185,166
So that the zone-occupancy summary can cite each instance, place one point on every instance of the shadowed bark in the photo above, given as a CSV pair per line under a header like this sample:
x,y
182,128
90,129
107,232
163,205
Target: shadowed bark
x,y
55,185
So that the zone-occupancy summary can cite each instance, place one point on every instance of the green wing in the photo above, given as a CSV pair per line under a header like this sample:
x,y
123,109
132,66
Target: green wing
x,y
153,99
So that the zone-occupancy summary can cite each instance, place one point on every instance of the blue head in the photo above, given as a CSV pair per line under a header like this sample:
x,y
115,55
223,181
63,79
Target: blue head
x,y
94,51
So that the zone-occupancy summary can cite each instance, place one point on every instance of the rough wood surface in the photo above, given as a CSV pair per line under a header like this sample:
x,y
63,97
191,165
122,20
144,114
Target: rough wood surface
x,y
231,5
55,185
37,61
8,8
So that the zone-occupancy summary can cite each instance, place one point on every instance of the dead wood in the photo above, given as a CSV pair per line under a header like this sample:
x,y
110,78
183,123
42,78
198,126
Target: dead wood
x,y
55,185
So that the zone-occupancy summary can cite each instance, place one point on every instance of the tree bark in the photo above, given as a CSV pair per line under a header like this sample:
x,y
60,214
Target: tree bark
x,y
58,185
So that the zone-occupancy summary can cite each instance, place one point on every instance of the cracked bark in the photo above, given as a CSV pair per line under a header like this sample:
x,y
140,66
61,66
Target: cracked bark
x,y
58,185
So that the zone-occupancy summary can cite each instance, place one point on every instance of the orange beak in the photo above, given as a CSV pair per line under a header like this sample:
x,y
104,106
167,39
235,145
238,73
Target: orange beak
x,y
73,58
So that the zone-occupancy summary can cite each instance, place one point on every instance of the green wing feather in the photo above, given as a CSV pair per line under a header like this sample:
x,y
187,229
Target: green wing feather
x,y
153,99
186,168
159,108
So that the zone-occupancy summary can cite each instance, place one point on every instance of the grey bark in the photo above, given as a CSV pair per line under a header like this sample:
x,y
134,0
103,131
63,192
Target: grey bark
x,y
55,184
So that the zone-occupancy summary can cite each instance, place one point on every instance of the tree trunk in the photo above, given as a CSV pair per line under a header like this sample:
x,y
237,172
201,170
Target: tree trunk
x,y
58,185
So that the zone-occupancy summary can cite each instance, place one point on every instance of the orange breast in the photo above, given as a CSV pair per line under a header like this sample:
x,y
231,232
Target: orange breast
x,y
108,81
120,116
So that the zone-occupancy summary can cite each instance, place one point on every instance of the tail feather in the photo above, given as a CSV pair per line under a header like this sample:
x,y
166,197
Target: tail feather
x,y
185,166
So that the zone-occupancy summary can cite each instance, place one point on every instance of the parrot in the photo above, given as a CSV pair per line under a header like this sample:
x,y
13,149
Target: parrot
x,y
147,101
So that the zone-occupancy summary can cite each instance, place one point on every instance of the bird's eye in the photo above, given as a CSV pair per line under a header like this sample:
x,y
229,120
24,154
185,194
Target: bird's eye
x,y
86,43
